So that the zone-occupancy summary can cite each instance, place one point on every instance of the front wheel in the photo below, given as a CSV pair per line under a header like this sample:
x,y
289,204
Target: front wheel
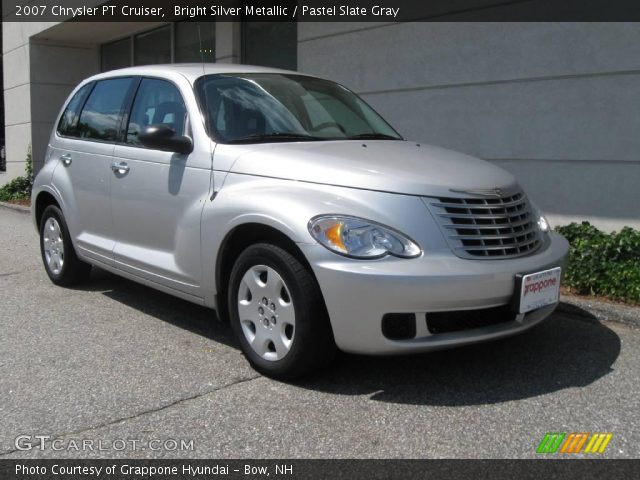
x,y
278,313
59,258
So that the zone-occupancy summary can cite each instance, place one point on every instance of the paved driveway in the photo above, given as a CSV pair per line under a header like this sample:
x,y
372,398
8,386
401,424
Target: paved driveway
x,y
114,362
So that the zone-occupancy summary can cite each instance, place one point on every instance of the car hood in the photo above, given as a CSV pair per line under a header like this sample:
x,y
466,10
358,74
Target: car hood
x,y
389,166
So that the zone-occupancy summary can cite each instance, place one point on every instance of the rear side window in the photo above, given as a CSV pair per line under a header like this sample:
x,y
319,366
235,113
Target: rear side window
x,y
157,101
101,115
68,125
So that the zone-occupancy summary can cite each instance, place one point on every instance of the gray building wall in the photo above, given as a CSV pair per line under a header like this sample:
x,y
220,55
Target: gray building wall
x,y
17,97
557,104
43,63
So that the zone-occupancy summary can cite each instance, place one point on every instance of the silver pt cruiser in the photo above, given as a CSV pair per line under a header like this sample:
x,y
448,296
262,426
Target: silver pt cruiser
x,y
291,207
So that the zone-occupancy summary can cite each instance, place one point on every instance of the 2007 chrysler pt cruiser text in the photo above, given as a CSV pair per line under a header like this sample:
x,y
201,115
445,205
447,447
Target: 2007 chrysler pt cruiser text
x,y
292,208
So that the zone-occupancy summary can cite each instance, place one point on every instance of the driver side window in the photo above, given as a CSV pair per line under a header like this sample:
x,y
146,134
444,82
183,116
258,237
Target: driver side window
x,y
157,102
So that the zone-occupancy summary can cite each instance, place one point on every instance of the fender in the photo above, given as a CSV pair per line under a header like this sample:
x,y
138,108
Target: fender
x,y
42,183
287,206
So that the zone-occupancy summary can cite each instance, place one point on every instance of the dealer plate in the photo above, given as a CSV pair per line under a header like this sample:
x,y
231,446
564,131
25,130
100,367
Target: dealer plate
x,y
540,289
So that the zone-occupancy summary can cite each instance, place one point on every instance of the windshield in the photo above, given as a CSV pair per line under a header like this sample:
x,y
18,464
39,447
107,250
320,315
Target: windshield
x,y
270,107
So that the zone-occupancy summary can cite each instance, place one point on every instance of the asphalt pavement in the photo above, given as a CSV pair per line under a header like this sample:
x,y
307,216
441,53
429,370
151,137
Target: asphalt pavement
x,y
116,369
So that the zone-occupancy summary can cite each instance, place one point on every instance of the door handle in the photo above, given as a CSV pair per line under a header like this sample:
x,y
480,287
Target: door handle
x,y
120,167
66,159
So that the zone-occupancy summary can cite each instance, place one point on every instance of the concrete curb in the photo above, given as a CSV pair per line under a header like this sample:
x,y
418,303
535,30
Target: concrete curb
x,y
603,311
17,208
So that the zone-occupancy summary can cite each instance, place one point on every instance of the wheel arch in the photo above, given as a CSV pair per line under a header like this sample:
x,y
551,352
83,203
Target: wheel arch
x,y
42,201
236,241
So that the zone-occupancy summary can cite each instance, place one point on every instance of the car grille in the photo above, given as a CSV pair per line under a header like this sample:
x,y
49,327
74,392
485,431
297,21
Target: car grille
x,y
488,227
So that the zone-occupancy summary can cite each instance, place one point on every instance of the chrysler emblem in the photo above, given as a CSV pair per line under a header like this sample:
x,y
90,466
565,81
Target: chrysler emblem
x,y
487,192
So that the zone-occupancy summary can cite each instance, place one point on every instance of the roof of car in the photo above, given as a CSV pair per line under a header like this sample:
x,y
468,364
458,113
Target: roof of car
x,y
190,70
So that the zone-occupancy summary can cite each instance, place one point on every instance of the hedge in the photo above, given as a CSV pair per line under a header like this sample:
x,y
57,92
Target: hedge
x,y
19,188
606,264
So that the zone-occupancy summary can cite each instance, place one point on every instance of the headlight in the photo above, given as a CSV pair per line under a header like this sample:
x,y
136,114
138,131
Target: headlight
x,y
541,220
543,224
360,238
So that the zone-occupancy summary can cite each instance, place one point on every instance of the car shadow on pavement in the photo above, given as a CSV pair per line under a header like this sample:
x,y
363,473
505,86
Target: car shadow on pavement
x,y
570,349
567,350
175,311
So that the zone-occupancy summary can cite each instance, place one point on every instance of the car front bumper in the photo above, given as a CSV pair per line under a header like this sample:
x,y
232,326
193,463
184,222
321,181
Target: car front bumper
x,y
359,293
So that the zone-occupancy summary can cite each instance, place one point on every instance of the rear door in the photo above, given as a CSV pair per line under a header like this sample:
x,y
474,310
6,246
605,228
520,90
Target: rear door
x,y
83,146
157,197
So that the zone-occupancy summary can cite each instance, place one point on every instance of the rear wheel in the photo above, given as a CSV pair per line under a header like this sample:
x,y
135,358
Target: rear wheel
x,y
278,314
59,258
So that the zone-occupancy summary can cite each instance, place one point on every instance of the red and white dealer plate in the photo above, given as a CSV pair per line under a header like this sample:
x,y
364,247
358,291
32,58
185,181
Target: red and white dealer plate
x,y
540,289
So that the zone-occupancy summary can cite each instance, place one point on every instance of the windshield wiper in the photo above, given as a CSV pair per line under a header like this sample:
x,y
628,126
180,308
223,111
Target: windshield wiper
x,y
275,136
372,136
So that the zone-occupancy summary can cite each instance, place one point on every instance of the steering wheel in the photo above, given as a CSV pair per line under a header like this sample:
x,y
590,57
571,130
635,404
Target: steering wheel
x,y
324,125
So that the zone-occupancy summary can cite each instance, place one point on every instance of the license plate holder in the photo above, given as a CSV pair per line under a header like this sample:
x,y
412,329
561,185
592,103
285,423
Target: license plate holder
x,y
536,289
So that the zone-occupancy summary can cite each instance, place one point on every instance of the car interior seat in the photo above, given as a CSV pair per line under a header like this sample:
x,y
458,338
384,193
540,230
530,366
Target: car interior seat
x,y
171,114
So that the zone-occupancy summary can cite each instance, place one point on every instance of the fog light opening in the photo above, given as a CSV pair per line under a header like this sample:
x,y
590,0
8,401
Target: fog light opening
x,y
399,326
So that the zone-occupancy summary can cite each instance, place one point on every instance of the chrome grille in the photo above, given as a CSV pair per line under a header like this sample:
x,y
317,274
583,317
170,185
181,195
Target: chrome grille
x,y
488,227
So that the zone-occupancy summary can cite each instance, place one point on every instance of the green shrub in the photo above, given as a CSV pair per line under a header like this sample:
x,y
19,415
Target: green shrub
x,y
606,264
19,188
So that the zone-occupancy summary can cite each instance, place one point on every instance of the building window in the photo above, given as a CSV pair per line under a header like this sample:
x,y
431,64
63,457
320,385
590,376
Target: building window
x,y
116,54
152,47
178,42
192,45
270,44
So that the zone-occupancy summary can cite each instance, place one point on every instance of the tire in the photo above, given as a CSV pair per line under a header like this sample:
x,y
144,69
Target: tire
x,y
58,255
288,336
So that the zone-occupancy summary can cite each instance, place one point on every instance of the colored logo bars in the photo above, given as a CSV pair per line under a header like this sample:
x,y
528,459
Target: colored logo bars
x,y
573,443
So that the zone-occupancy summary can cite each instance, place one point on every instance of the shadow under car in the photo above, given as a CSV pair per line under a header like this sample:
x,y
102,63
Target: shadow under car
x,y
569,349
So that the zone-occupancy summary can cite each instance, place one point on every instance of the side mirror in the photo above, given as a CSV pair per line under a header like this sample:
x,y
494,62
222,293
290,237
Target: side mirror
x,y
162,137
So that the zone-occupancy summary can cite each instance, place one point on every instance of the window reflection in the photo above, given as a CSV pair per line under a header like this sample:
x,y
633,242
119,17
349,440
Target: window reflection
x,y
101,114
157,101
